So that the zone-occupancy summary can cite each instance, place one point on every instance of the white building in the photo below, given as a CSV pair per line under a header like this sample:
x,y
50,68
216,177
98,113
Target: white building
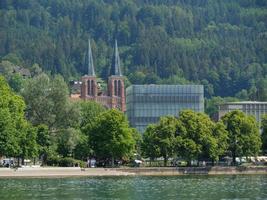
x,y
254,108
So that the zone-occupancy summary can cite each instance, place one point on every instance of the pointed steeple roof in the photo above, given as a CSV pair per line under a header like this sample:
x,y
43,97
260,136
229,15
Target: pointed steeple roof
x,y
115,67
90,63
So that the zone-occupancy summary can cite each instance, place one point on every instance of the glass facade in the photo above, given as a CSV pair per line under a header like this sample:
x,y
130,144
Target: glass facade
x,y
147,103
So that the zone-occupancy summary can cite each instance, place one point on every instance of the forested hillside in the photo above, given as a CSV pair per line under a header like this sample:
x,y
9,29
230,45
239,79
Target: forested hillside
x,y
221,44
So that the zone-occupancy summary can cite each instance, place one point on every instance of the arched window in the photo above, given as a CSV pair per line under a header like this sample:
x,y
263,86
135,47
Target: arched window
x,y
92,88
115,88
89,87
119,88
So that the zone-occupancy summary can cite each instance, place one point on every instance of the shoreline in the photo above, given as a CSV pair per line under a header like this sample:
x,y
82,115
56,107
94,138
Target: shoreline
x,y
61,172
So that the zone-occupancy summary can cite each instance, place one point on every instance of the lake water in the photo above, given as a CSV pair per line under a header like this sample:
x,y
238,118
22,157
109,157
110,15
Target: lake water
x,y
171,187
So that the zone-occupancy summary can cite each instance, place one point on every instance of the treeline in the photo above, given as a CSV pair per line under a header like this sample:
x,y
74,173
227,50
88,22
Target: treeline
x,y
42,122
194,136
221,44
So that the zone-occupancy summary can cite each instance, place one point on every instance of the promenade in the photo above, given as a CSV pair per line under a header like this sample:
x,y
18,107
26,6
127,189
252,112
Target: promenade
x,y
59,172
147,171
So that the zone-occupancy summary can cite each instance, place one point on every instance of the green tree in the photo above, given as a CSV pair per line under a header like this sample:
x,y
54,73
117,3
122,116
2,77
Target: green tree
x,y
243,133
8,138
149,147
160,139
17,136
212,105
27,142
16,82
165,137
44,141
111,137
264,133
89,112
221,44
48,103
11,114
202,138
67,141
221,135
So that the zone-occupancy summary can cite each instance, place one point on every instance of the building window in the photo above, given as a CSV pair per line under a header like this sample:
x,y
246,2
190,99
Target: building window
x,y
88,87
115,88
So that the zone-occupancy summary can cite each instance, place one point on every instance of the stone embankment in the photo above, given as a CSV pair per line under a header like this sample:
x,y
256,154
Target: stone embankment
x,y
196,170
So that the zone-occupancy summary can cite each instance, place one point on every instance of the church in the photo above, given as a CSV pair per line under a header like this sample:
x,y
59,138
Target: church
x,y
114,97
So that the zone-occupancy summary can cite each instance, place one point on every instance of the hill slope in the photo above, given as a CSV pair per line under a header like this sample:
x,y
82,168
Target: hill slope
x,y
221,44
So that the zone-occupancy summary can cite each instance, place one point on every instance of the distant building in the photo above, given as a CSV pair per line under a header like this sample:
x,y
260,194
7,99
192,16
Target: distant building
x,y
254,108
147,103
90,90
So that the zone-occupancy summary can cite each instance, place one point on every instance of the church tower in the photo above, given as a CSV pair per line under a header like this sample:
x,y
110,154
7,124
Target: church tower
x,y
116,83
89,83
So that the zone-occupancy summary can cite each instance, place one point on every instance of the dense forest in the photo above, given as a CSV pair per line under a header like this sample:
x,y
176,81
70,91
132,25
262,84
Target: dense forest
x,y
221,44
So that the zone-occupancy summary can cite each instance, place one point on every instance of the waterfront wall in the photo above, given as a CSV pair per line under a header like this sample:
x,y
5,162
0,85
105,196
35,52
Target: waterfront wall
x,y
153,171
196,170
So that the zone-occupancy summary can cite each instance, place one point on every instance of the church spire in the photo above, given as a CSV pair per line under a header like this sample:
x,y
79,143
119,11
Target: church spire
x,y
116,68
91,70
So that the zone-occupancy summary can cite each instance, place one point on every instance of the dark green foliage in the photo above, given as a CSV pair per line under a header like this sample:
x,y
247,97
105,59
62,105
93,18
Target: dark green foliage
x,y
212,105
64,162
221,44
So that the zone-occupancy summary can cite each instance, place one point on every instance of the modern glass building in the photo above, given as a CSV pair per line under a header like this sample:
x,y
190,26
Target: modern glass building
x,y
147,103
254,108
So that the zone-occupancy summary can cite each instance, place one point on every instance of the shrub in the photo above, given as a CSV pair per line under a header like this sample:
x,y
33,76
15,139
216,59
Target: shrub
x,y
53,161
64,162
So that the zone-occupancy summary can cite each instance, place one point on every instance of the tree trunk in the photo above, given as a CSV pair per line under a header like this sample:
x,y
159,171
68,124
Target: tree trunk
x,y
212,162
188,163
112,161
234,157
165,161
22,161
44,159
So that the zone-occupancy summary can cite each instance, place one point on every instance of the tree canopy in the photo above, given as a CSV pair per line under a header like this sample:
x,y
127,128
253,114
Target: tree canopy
x,y
17,136
111,137
244,136
191,136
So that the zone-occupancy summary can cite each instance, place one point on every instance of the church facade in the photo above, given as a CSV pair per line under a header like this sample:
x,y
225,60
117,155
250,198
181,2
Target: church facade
x,y
114,97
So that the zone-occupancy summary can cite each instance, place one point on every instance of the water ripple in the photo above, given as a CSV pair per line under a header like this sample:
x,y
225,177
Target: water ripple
x,y
155,188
